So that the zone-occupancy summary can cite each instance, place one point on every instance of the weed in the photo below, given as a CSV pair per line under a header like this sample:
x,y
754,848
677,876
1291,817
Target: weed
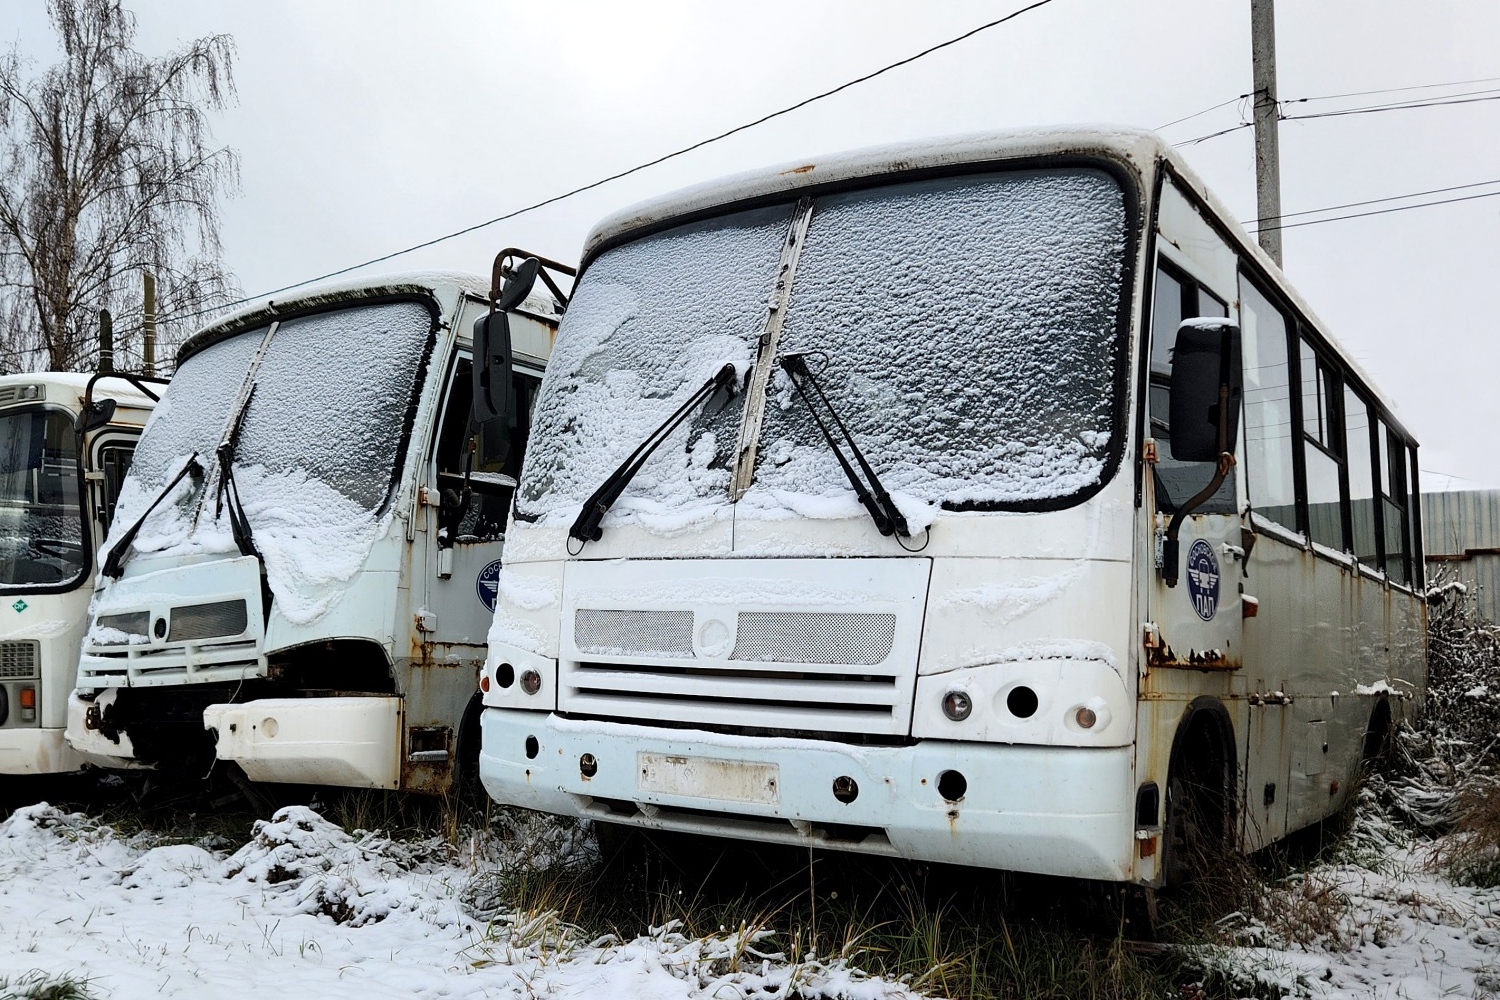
x,y
39,985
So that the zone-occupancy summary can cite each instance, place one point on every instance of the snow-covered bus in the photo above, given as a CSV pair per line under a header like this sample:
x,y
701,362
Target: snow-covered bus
x,y
303,568
65,443
991,500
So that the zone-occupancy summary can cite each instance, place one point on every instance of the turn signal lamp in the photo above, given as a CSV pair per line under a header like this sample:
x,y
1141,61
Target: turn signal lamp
x,y
28,704
1085,717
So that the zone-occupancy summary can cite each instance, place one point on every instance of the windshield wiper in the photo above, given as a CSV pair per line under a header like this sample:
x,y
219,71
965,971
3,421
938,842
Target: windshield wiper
x,y
587,526
239,523
887,517
114,560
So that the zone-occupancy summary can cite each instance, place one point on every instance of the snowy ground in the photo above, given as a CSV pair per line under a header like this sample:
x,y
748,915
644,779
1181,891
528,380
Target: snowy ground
x,y
304,905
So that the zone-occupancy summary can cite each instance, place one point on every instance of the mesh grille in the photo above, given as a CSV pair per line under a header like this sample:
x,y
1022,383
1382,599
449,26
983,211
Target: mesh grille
x,y
633,633
133,623
18,659
814,637
207,621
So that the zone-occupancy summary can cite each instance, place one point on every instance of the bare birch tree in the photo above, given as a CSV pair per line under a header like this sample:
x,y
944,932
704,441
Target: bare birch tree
x,y
107,170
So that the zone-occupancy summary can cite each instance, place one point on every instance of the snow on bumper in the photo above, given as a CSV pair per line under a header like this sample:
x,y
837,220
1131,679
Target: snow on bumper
x,y
1052,810
351,742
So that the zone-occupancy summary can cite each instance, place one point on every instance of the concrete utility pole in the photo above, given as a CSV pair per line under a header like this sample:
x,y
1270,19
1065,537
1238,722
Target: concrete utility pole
x,y
1267,150
148,339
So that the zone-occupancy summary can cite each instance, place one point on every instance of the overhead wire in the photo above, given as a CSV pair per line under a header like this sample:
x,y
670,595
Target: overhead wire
x,y
631,170
1473,97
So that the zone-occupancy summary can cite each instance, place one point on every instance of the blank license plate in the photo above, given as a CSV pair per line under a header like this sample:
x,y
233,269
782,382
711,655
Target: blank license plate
x,y
708,778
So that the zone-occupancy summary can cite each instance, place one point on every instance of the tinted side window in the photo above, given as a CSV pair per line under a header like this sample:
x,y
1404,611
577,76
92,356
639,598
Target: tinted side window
x,y
1359,445
1268,408
1177,297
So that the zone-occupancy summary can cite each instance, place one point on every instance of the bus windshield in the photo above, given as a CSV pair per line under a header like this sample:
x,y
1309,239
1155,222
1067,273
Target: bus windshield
x,y
967,330
41,521
318,445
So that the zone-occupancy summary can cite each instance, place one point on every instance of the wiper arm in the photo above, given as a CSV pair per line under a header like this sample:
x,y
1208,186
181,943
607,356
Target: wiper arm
x,y
239,523
114,560
587,526
887,517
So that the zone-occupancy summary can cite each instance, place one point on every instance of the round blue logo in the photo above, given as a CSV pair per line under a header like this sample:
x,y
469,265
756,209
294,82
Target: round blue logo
x,y
1203,579
488,585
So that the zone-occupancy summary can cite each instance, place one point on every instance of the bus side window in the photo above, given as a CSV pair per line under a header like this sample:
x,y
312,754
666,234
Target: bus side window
x,y
1359,443
1178,297
1393,504
1268,408
114,462
1321,451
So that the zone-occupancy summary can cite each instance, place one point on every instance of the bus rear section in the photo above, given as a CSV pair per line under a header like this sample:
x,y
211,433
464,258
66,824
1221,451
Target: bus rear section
x,y
65,444
855,518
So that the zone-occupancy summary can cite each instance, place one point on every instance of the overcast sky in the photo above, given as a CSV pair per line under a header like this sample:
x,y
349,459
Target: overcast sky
x,y
365,127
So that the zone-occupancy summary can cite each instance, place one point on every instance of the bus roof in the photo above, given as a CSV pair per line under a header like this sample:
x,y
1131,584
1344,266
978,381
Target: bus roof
x,y
69,387
1140,150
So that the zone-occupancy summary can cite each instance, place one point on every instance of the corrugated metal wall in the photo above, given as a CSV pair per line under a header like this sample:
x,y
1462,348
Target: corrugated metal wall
x,y
1462,532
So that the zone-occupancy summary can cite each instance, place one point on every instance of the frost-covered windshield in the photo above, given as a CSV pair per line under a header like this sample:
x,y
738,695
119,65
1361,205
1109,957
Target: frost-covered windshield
x,y
654,320
965,329
317,451
41,522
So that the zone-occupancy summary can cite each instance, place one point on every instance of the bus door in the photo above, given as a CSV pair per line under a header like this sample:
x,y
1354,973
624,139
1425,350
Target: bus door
x,y
1198,621
469,487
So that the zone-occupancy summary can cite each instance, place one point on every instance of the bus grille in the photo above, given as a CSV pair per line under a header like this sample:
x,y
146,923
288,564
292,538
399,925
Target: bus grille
x,y
633,633
788,671
18,659
814,637
206,621
134,623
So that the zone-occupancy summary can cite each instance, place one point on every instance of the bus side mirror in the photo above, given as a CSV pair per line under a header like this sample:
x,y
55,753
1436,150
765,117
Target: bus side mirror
x,y
95,414
492,370
1205,360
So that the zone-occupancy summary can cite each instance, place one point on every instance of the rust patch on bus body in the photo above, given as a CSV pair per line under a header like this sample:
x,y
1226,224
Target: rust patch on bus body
x,y
429,758
805,169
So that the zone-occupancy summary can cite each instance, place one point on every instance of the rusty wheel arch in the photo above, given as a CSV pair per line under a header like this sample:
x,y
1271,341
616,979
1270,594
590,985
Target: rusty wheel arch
x,y
1201,798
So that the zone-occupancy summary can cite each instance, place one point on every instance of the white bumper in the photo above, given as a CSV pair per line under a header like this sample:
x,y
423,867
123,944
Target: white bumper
x,y
36,751
350,742
1053,810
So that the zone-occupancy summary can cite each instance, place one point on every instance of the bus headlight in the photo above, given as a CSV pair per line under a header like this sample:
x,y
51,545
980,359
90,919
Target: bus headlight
x,y
957,705
1093,714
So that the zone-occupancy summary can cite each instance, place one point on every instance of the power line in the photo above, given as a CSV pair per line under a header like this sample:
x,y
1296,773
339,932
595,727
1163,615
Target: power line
x,y
1399,106
626,173
1386,211
1377,201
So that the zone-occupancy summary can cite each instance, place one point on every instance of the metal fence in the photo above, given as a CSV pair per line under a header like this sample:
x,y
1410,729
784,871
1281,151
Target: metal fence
x,y
1461,530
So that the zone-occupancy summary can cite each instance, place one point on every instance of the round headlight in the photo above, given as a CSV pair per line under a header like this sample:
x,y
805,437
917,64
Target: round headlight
x,y
957,705
531,681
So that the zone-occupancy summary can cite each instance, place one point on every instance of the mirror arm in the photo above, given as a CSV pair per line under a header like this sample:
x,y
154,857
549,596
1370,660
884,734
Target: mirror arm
x,y
1169,549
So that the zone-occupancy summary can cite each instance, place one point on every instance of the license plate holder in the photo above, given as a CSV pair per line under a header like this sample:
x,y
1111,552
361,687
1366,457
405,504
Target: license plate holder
x,y
708,778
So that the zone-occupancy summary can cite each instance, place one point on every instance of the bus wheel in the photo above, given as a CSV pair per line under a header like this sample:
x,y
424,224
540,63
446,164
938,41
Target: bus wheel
x,y
1196,833
1377,745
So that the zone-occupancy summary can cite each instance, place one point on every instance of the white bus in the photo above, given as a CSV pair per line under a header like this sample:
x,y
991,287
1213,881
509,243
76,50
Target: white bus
x,y
65,443
303,569
852,519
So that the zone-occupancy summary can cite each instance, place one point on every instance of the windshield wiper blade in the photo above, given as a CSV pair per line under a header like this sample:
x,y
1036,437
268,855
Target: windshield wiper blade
x,y
114,560
586,528
874,497
228,489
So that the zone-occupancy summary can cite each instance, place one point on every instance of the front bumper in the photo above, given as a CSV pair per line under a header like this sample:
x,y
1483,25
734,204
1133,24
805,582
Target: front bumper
x,y
1052,810
36,751
93,746
351,742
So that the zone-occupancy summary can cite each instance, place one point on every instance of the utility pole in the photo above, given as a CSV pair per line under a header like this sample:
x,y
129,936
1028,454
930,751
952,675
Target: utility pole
x,y
1267,111
106,342
148,340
